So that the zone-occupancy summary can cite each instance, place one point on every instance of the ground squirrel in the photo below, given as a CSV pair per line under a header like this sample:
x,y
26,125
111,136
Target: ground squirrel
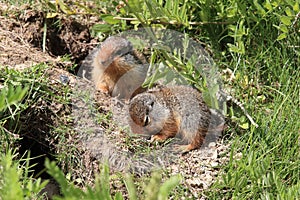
x,y
168,111
116,68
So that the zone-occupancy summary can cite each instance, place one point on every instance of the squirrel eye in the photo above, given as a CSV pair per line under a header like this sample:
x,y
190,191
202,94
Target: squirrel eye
x,y
150,104
147,120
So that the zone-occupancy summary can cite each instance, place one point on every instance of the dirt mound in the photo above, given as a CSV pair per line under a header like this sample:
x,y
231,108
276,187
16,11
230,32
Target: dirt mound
x,y
30,38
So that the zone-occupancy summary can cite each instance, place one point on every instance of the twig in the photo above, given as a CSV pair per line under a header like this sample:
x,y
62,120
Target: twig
x,y
16,136
296,19
158,21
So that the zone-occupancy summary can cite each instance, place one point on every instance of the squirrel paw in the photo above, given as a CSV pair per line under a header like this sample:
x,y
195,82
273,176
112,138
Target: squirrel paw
x,y
184,148
158,138
103,88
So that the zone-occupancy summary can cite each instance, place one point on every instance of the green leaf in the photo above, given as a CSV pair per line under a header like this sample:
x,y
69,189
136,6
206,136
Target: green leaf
x,y
233,48
168,186
152,188
68,189
130,187
286,20
3,94
239,48
57,174
10,184
11,95
259,7
244,125
110,19
281,36
51,15
51,6
289,12
103,182
283,28
102,28
118,196
65,8
296,7
135,22
268,5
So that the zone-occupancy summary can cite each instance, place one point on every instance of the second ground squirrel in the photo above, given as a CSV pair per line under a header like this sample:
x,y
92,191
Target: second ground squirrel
x,y
169,111
117,69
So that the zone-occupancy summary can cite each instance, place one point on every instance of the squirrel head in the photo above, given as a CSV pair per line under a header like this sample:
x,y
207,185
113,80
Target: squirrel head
x,y
112,48
147,112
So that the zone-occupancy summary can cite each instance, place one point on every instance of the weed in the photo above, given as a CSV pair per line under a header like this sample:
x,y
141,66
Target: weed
x,y
15,181
102,186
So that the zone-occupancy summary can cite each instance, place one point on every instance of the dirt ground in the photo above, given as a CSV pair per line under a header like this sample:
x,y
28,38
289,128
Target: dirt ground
x,y
21,46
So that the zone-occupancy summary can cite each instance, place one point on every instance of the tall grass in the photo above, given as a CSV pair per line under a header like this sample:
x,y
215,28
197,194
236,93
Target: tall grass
x,y
269,167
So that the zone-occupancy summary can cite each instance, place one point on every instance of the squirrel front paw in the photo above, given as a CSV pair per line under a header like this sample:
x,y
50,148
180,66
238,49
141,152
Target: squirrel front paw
x,y
158,138
184,148
103,88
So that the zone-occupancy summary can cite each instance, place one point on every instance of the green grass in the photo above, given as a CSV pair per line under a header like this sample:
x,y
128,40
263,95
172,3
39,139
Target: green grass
x,y
270,164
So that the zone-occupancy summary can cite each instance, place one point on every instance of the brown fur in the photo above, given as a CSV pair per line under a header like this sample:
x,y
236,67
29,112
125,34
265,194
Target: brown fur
x,y
169,130
111,75
117,69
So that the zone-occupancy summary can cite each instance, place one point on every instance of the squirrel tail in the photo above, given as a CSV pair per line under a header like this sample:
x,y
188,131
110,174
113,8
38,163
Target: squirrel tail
x,y
86,67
